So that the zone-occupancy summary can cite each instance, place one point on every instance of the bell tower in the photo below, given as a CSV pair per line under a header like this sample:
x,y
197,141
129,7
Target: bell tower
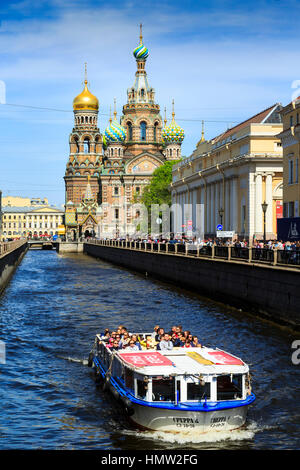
x,y
85,158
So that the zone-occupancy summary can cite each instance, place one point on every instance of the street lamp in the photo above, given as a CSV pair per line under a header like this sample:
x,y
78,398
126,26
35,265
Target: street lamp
x,y
264,208
221,213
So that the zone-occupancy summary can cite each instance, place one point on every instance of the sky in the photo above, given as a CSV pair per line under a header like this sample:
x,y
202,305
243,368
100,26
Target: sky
x,y
221,62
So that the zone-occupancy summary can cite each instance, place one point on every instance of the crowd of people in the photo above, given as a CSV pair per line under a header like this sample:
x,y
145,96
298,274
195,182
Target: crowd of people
x,y
160,339
201,242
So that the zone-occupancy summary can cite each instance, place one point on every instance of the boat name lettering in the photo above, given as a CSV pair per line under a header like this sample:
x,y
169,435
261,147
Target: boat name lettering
x,y
185,421
219,419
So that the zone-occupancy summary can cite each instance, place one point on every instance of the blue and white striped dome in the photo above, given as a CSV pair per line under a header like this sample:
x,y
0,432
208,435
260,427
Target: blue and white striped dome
x,y
114,133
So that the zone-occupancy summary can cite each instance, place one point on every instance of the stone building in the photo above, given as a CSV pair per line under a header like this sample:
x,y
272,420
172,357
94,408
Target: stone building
x,y
227,179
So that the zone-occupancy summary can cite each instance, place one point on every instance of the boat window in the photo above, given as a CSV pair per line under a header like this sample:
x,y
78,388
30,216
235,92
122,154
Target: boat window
x,y
163,389
229,387
129,378
196,391
142,387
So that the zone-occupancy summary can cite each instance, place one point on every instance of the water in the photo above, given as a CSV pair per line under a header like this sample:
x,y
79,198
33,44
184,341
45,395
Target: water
x,y
49,315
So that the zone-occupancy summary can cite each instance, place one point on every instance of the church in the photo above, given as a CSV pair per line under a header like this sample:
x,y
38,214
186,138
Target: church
x,y
107,171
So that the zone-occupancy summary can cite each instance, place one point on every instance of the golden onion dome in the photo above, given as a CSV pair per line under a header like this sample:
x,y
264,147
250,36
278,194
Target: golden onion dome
x,y
85,100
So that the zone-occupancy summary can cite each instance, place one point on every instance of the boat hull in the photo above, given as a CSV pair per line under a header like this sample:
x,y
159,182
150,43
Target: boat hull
x,y
172,420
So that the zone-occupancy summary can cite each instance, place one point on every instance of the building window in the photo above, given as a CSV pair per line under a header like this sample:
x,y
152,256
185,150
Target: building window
x,y
291,171
296,170
291,121
129,128
86,145
155,132
143,128
291,209
116,213
116,191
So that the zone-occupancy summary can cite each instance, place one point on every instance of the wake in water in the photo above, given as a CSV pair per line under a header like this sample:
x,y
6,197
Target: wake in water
x,y
183,438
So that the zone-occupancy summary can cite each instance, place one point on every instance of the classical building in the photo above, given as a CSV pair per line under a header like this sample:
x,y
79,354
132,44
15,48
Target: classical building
x,y
106,171
31,221
289,226
18,201
227,179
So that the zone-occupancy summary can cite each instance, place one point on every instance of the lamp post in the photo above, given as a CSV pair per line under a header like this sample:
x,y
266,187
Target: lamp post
x,y
221,213
264,208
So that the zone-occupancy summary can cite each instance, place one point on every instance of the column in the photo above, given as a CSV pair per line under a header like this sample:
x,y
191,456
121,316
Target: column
x,y
208,209
227,205
258,203
234,203
269,201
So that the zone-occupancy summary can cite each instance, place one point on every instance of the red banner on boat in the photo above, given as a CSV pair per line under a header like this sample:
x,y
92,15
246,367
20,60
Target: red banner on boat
x,y
146,359
224,359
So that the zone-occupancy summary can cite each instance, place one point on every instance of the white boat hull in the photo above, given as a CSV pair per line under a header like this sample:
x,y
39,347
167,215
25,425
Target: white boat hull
x,y
160,419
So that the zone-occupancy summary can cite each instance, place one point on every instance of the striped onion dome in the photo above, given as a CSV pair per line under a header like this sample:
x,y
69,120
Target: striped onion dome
x,y
114,133
172,133
141,52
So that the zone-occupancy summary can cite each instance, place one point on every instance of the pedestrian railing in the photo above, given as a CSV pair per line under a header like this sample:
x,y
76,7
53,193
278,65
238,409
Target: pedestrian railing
x,y
230,253
7,247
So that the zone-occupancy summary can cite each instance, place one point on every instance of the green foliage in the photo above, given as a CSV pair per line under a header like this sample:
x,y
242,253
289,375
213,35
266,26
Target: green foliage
x,y
158,190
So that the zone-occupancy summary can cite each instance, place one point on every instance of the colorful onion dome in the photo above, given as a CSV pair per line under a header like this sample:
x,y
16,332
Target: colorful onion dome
x,y
141,52
114,133
172,132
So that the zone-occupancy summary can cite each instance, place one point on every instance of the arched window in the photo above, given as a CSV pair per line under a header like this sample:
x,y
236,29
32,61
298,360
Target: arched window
x,y
76,144
86,145
155,132
129,128
142,93
143,127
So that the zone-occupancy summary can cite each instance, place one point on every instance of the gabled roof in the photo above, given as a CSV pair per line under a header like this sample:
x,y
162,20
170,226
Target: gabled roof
x,y
267,116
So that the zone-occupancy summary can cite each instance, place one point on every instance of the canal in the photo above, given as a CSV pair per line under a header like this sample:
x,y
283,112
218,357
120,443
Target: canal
x,y
49,315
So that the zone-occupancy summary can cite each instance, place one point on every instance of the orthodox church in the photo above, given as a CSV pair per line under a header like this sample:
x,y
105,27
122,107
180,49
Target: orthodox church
x,y
106,171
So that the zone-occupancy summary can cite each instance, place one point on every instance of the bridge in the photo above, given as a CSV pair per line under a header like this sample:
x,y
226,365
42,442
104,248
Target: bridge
x,y
42,244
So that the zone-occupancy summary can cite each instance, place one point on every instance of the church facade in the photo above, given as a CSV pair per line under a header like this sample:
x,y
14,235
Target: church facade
x,y
107,171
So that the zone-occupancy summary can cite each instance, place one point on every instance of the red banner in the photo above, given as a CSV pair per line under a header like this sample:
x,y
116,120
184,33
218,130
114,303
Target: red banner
x,y
279,209
224,359
146,359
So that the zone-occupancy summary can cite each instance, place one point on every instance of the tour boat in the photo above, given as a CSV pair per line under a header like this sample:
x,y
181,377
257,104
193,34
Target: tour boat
x,y
185,388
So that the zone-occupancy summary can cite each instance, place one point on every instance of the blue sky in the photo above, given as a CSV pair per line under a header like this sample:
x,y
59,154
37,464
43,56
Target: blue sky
x,y
221,62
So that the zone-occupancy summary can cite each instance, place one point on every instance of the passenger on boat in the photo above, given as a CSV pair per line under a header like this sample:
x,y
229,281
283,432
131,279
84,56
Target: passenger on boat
x,y
187,344
136,342
112,337
125,339
115,346
176,341
195,342
165,343
132,346
160,334
155,331
105,337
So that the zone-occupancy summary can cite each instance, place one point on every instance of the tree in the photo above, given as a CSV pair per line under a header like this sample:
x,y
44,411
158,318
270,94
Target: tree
x,y
158,190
